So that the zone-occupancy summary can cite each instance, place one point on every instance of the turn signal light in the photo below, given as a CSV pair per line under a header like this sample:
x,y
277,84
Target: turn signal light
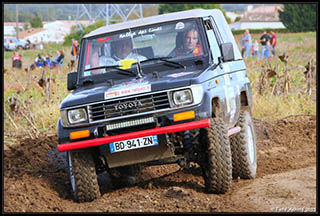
x,y
79,134
184,116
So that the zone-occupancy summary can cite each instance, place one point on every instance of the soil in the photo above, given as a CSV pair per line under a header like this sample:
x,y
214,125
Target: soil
x,y
35,179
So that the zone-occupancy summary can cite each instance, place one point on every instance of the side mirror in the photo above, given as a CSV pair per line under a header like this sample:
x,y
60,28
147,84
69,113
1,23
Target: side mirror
x,y
227,51
72,80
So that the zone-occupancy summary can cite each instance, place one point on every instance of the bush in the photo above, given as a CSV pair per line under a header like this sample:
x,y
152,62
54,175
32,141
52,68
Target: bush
x,y
78,35
36,22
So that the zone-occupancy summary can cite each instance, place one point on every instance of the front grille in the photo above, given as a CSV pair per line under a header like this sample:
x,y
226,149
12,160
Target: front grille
x,y
145,103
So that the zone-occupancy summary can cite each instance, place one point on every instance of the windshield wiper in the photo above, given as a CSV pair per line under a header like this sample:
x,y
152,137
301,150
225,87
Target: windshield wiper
x,y
121,71
165,59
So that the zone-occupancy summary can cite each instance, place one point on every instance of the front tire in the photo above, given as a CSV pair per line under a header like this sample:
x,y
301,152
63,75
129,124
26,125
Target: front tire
x,y
243,148
83,177
217,163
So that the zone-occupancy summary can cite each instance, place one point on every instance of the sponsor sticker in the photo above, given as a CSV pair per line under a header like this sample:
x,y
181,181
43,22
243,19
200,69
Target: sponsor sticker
x,y
127,91
180,25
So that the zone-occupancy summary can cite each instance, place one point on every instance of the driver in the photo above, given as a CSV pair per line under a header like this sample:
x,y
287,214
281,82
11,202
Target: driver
x,y
190,45
123,50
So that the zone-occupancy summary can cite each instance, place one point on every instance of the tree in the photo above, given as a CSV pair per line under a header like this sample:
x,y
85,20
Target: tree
x,y
169,8
8,15
237,19
299,17
51,13
36,22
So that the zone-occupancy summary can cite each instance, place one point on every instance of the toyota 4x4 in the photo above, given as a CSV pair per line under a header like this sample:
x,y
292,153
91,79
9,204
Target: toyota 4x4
x,y
154,107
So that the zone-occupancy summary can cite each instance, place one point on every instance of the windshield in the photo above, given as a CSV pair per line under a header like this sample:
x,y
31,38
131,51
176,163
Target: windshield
x,y
153,44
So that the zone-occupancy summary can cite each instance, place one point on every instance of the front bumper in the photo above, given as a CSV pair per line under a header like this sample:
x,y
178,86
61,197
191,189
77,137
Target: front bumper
x,y
133,135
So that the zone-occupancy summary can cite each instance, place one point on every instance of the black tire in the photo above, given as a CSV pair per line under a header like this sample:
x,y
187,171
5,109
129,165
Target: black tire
x,y
83,177
243,148
217,163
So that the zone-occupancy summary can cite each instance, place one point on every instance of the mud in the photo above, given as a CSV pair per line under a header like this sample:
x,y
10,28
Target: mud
x,y
35,179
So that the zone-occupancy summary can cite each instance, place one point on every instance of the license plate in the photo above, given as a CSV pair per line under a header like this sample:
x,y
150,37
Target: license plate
x,y
133,143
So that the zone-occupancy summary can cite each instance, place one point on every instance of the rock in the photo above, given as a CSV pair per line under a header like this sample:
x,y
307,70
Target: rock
x,y
176,192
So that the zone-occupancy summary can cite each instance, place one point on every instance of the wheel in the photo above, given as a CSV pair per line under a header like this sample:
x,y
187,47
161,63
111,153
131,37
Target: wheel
x,y
243,148
19,48
217,162
83,177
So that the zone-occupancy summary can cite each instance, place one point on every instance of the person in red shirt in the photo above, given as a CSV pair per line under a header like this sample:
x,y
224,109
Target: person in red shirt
x,y
16,60
273,42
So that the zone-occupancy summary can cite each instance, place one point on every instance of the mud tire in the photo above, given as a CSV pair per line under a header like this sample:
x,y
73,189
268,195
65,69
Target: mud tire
x,y
242,145
83,177
217,163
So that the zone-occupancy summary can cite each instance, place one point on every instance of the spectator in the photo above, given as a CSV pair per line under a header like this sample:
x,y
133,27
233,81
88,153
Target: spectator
x,y
243,49
190,45
255,49
247,42
263,40
267,53
47,61
16,60
273,42
58,59
39,61
74,52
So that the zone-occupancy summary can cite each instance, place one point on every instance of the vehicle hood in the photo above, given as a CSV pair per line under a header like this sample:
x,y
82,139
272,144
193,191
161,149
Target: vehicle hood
x,y
127,87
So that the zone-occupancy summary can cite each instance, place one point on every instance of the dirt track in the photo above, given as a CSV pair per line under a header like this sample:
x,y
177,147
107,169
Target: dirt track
x,y
286,179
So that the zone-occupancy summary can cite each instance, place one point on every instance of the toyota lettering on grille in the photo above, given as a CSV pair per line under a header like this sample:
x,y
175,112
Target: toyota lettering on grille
x,y
127,105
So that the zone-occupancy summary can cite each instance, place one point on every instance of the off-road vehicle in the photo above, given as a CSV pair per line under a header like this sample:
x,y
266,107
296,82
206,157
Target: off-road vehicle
x,y
187,108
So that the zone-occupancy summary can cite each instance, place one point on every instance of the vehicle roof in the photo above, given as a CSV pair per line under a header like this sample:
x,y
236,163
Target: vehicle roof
x,y
195,13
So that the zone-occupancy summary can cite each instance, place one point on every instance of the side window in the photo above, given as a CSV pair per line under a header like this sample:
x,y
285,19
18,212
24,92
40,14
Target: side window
x,y
213,43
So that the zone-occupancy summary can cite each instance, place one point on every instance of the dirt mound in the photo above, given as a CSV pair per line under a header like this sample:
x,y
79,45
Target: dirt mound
x,y
35,179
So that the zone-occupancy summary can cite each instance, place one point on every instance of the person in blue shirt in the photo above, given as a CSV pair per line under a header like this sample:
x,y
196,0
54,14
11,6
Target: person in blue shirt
x,y
38,62
247,43
47,61
267,51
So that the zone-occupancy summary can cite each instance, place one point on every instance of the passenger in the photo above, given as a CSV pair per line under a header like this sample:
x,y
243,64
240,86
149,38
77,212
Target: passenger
x,y
190,45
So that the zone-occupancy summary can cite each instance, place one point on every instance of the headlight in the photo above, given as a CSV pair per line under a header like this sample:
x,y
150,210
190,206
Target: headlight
x,y
77,116
182,97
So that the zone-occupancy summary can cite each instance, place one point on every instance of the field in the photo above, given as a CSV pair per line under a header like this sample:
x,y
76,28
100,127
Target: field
x,y
284,117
